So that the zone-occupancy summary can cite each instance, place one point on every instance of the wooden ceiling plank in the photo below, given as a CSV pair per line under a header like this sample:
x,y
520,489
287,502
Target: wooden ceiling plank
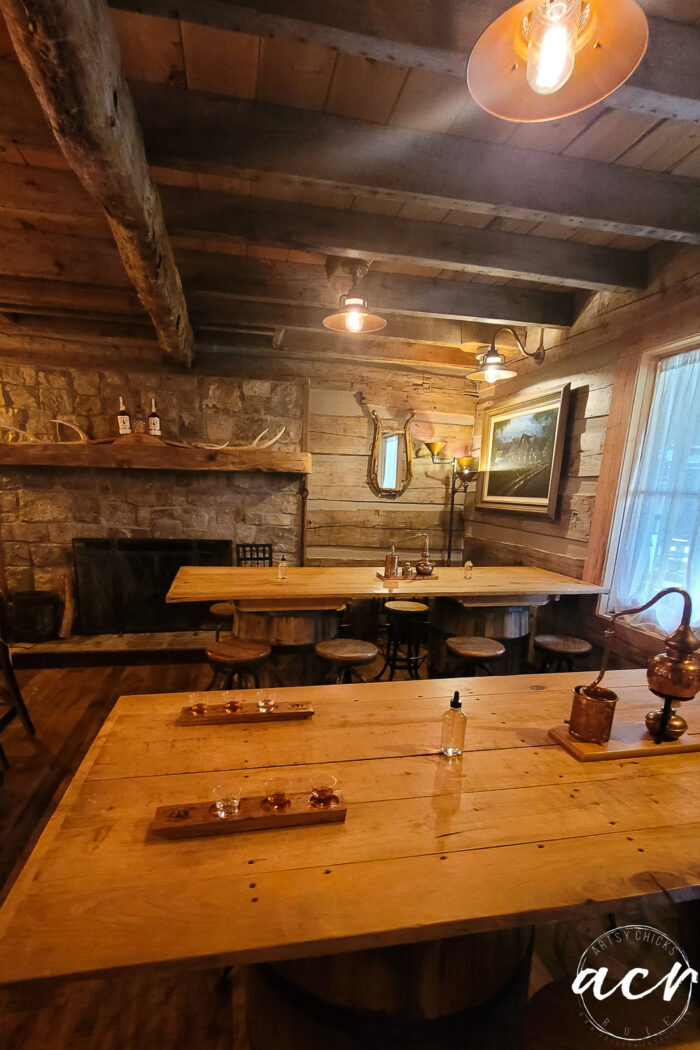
x,y
365,89
229,136
401,33
294,74
87,103
150,48
226,63
239,278
393,239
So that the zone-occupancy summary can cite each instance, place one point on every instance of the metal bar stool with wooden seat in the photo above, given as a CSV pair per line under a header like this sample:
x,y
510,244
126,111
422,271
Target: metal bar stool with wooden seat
x,y
236,659
561,650
11,695
406,624
225,613
474,653
344,655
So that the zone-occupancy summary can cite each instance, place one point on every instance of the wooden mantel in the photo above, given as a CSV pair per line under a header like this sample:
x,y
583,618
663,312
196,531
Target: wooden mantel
x,y
161,456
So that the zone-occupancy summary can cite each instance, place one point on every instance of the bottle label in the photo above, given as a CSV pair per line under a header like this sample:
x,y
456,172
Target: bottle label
x,y
154,426
124,424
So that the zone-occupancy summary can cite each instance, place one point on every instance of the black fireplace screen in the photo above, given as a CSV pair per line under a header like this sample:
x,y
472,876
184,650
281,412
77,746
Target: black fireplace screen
x,y
121,584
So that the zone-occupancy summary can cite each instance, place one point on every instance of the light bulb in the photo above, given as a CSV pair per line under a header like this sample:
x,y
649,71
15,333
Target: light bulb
x,y
491,374
552,50
353,321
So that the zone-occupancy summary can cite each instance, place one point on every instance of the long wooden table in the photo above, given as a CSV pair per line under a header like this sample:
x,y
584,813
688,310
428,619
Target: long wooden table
x,y
515,832
518,584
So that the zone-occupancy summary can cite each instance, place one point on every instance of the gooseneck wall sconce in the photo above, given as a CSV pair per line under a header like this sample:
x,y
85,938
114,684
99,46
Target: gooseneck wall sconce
x,y
462,474
492,363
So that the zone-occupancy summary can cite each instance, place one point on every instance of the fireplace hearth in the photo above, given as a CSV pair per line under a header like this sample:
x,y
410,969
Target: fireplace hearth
x,y
121,583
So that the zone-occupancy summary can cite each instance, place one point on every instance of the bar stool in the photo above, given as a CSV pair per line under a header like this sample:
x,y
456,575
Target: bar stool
x,y
560,650
404,630
344,655
474,653
223,611
236,658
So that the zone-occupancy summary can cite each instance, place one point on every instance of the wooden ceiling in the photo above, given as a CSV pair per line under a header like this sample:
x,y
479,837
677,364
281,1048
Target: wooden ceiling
x,y
281,134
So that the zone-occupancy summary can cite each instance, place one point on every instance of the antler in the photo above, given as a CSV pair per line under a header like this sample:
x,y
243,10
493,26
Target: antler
x,y
18,430
73,426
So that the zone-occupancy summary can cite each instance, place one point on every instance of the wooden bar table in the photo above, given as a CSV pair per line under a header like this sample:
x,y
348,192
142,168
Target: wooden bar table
x,y
469,851
498,601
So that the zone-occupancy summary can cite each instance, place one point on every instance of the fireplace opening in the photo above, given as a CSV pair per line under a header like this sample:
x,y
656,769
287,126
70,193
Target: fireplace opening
x,y
121,583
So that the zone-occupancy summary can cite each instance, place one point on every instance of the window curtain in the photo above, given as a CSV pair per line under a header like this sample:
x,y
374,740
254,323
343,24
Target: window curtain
x,y
659,542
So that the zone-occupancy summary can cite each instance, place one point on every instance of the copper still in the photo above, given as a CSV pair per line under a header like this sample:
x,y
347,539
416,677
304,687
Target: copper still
x,y
673,675
424,567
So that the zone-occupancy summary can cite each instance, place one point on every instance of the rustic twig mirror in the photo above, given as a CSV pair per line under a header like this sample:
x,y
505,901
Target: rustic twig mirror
x,y
391,457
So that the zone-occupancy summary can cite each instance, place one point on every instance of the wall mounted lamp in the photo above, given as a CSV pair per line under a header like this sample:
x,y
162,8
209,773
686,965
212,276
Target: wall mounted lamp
x,y
462,474
492,363
541,61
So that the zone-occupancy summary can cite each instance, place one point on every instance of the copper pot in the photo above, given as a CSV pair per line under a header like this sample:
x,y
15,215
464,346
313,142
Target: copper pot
x,y
592,713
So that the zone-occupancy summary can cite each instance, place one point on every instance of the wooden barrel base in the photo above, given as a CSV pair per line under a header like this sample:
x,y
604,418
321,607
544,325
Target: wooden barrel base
x,y
467,992
292,635
507,623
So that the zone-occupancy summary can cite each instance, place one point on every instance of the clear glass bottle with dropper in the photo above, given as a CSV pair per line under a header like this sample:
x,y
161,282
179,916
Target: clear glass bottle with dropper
x,y
454,724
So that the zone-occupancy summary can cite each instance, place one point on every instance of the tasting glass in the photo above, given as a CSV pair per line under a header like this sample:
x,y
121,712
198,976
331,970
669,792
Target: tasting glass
x,y
265,700
231,704
198,705
277,794
322,787
227,799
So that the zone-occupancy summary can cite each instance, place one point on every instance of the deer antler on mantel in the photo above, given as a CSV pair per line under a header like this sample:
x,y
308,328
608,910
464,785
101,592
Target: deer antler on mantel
x,y
18,430
73,426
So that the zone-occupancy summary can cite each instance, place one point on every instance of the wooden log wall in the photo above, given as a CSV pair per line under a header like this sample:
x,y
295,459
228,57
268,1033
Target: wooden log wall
x,y
599,357
346,520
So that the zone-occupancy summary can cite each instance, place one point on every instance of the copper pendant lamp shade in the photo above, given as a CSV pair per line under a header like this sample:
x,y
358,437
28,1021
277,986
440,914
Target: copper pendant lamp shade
x,y
611,41
354,317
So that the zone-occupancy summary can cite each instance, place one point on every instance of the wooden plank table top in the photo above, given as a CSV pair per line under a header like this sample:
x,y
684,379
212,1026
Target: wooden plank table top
x,y
514,832
521,583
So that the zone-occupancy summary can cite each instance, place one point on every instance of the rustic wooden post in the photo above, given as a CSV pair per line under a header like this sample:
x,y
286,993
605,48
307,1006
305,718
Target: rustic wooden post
x,y
69,51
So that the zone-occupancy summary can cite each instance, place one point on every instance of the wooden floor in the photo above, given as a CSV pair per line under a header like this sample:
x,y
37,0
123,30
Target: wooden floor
x,y
147,1011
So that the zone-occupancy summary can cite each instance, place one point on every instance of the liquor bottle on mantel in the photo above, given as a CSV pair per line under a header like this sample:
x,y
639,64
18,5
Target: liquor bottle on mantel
x,y
123,420
154,420
139,422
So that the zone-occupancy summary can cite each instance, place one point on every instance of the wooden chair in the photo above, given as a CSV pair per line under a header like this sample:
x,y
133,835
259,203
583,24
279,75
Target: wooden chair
x,y
254,554
236,659
10,693
474,654
344,655
561,650
405,628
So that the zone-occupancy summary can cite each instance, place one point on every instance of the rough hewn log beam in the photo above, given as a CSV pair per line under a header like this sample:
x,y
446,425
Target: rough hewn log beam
x,y
212,215
438,36
201,132
69,51
234,277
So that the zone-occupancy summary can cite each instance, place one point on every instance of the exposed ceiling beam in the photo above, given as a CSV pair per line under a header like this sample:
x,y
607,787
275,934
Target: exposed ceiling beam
x,y
42,295
209,133
438,36
210,311
240,278
33,193
208,214
69,51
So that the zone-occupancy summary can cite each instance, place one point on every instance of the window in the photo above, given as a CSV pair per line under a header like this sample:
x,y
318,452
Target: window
x,y
657,543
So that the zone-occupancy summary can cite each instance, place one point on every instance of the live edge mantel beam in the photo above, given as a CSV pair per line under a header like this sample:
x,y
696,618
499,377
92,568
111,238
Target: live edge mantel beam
x,y
70,54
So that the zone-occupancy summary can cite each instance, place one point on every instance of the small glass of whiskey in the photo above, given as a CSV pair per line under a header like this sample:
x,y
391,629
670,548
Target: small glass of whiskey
x,y
198,705
232,705
323,791
277,795
227,800
265,700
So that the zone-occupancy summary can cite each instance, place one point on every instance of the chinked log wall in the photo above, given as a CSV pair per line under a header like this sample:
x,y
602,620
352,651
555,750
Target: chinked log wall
x,y
599,358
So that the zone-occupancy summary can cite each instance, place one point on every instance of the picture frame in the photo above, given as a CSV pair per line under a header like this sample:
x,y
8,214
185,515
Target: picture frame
x,y
522,447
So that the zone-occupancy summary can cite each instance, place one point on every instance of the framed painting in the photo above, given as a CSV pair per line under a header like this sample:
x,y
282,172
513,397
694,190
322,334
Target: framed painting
x,y
521,454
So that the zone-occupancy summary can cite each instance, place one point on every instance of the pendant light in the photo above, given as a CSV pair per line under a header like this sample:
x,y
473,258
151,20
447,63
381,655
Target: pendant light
x,y
492,363
544,60
354,316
